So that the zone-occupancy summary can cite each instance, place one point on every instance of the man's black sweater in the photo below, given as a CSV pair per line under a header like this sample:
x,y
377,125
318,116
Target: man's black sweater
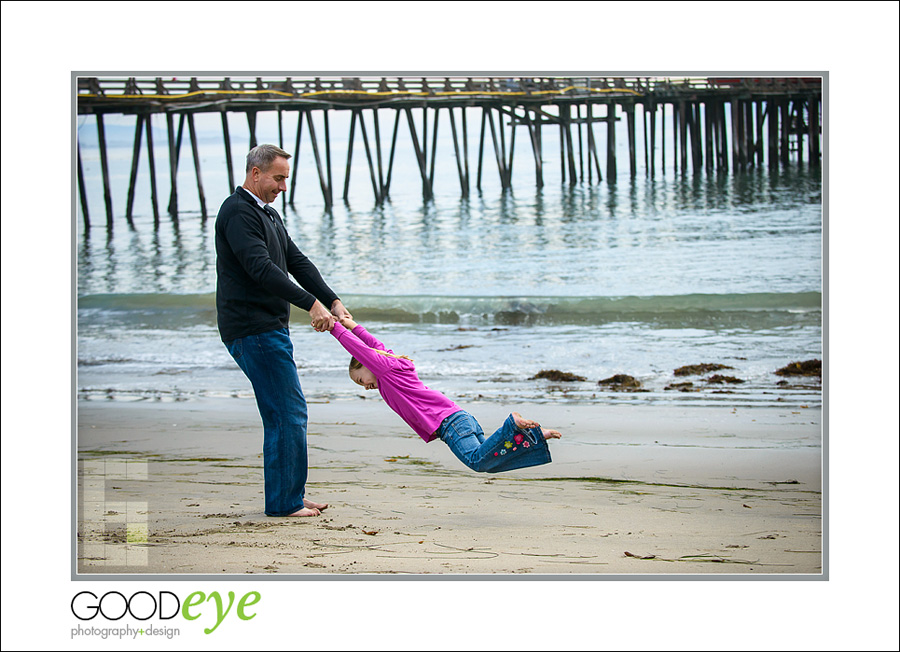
x,y
254,256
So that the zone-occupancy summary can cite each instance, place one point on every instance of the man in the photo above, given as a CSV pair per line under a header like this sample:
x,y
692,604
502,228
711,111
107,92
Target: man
x,y
254,256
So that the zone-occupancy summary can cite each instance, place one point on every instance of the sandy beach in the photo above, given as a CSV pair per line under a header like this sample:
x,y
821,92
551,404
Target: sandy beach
x,y
176,488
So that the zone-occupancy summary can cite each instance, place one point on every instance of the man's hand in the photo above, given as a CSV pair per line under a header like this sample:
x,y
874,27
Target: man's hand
x,y
322,320
339,311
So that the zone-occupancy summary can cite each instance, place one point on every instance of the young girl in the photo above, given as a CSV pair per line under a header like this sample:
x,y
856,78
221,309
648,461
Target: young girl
x,y
518,443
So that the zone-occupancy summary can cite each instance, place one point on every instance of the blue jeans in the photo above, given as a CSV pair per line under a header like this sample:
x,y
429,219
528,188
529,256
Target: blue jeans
x,y
510,447
267,360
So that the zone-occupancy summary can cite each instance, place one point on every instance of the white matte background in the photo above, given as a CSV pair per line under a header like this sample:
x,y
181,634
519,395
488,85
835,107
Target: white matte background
x,y
857,43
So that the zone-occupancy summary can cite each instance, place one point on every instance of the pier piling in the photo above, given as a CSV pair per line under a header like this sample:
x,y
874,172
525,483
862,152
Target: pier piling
x,y
611,143
135,158
151,161
196,153
104,167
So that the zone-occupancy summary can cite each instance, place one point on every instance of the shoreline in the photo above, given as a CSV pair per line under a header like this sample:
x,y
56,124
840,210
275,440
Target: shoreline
x,y
632,490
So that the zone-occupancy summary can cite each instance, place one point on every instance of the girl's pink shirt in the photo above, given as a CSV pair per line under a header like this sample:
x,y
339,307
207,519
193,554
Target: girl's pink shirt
x,y
423,409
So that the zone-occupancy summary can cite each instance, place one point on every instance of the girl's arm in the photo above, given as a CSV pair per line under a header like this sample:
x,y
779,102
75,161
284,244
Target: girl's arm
x,y
361,350
364,335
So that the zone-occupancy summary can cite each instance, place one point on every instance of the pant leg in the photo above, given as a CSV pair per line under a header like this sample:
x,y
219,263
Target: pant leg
x,y
268,361
507,449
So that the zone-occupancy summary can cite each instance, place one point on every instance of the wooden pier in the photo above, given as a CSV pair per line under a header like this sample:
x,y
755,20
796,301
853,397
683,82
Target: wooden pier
x,y
769,121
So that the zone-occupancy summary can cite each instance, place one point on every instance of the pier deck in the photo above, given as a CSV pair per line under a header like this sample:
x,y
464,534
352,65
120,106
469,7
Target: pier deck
x,y
766,119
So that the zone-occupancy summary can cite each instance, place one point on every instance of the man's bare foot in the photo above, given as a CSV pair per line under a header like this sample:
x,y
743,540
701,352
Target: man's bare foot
x,y
522,422
319,506
551,434
306,511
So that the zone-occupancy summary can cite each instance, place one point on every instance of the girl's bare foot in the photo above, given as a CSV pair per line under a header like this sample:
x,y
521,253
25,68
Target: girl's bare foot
x,y
522,422
306,511
528,424
311,505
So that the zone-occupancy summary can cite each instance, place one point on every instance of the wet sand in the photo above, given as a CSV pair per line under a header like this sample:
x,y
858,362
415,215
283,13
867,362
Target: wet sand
x,y
177,488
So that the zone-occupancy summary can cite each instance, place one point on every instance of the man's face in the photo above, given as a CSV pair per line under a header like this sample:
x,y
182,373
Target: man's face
x,y
272,181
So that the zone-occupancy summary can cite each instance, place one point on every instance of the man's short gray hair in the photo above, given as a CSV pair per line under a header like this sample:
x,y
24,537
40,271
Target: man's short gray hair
x,y
262,156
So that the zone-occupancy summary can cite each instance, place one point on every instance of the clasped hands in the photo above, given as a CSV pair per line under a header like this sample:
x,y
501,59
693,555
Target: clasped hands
x,y
323,320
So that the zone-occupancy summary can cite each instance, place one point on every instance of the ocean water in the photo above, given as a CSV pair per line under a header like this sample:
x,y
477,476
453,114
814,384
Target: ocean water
x,y
637,277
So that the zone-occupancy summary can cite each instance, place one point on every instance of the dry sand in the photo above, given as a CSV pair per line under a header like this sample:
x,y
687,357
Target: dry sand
x,y
176,488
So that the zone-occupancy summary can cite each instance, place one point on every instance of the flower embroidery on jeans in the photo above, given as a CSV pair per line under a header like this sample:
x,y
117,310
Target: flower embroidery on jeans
x,y
507,444
518,439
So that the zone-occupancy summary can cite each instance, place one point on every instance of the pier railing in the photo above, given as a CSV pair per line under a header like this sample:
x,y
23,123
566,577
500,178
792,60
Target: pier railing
x,y
766,119
102,94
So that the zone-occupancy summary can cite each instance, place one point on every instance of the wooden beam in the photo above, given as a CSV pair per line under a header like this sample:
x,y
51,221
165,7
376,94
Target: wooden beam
x,y
465,139
662,121
420,156
323,183
251,125
760,138
228,162
580,147
592,146
735,135
570,147
785,131
281,145
646,152
135,158
173,164
562,147
512,148
463,181
723,137
104,168
708,129
481,147
772,120
611,143
437,112
498,154
387,183
675,159
349,153
362,130
196,153
632,154
751,134
696,139
425,134
296,157
378,152
504,168
81,191
326,123
152,162
653,138
814,154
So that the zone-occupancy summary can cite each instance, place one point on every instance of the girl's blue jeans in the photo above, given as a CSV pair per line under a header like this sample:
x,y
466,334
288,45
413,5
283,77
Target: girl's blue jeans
x,y
510,447
267,360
